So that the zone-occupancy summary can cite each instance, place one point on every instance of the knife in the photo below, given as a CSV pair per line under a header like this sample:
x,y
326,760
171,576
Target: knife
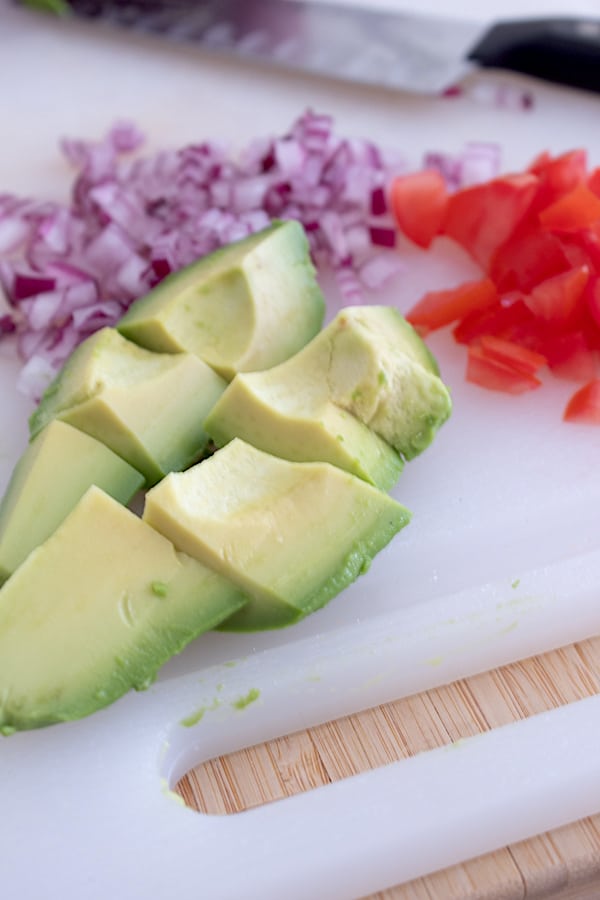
x,y
401,50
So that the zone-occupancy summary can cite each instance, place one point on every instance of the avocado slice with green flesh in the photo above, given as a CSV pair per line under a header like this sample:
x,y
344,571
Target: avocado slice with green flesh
x,y
149,408
247,306
381,371
95,611
286,411
364,395
54,472
290,535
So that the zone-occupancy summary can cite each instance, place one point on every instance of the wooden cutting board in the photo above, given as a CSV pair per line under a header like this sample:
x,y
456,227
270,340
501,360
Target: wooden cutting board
x,y
559,865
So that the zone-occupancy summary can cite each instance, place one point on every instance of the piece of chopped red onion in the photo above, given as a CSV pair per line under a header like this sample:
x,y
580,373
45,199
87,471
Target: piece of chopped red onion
x,y
477,162
498,94
68,269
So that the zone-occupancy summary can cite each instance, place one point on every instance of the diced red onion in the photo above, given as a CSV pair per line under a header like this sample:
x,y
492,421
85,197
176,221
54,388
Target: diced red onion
x,y
498,94
7,325
377,271
25,285
478,162
68,269
35,376
41,310
383,237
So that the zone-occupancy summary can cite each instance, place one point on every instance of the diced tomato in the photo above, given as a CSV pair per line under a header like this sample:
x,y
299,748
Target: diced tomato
x,y
583,246
557,299
571,357
530,255
512,354
539,162
419,203
584,405
592,296
578,209
537,237
593,181
498,319
439,308
494,375
558,175
483,217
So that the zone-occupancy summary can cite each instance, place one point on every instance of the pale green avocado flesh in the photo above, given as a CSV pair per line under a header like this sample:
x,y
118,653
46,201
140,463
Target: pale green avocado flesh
x,y
147,407
381,371
290,535
95,611
54,472
364,395
245,307
289,414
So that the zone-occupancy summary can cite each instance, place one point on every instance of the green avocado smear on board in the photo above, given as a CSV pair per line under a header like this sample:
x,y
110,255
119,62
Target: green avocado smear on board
x,y
265,445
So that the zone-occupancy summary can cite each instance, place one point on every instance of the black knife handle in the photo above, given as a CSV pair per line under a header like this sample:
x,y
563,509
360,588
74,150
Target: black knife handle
x,y
566,51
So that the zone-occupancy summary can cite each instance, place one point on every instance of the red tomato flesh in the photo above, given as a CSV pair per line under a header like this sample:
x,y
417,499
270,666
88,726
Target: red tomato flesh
x,y
536,236
558,175
499,319
419,203
512,354
571,357
584,405
483,217
494,375
527,257
556,299
439,308
573,211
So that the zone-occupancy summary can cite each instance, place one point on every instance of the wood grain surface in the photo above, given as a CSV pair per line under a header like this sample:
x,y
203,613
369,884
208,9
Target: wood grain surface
x,y
563,864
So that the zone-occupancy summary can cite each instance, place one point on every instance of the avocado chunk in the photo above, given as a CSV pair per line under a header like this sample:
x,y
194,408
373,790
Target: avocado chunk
x,y
381,372
287,411
290,535
54,472
95,611
149,408
364,394
247,306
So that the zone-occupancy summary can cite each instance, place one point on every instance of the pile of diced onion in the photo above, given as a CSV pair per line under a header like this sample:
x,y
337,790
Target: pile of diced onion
x,y
70,268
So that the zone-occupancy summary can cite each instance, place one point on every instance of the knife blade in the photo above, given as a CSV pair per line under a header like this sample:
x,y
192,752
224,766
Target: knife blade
x,y
400,50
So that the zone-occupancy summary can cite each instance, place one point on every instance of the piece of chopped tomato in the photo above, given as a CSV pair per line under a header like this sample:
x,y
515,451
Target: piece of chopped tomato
x,y
490,373
593,181
584,405
578,209
529,256
592,297
419,203
583,247
557,299
512,354
483,217
439,308
500,319
558,175
571,357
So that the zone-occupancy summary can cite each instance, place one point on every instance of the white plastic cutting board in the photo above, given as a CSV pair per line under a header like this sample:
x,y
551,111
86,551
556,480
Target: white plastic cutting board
x,y
502,558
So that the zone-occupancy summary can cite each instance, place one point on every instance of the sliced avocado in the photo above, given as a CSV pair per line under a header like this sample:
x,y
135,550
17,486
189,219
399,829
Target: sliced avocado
x,y
290,535
364,395
287,411
95,611
54,472
147,407
381,371
247,306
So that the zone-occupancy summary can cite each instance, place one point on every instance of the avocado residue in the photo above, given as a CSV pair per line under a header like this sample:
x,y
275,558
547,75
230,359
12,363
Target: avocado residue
x,y
242,702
